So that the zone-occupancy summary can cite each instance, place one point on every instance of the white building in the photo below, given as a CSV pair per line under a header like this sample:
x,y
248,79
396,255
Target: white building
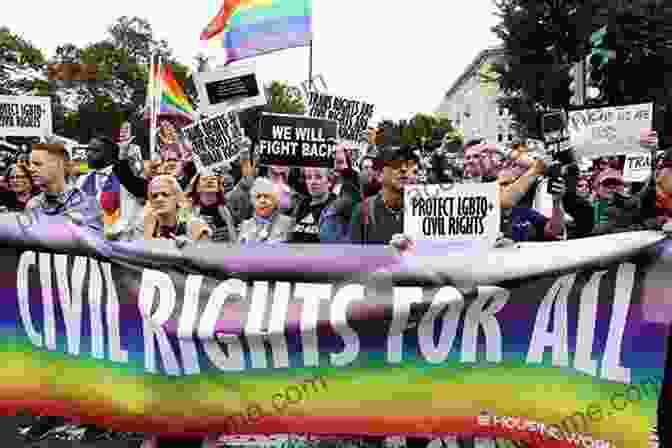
x,y
472,105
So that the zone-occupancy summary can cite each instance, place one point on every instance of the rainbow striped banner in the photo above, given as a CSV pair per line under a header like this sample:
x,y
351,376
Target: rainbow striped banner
x,y
218,339
248,28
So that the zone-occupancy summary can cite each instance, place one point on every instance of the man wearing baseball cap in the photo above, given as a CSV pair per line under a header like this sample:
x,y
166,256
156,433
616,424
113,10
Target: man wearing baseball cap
x,y
380,217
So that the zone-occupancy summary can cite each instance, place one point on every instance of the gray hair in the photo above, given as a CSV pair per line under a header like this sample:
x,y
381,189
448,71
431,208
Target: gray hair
x,y
262,186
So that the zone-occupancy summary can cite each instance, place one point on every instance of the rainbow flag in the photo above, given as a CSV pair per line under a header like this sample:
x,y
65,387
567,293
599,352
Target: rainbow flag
x,y
248,28
174,102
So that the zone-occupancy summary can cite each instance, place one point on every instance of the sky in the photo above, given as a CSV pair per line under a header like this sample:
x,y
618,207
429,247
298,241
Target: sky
x,y
401,56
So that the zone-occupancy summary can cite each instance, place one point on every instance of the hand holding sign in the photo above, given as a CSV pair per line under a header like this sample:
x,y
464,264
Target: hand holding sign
x,y
648,138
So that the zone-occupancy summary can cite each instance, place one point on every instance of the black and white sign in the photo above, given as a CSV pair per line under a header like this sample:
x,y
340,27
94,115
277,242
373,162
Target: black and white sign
x,y
213,141
609,131
353,116
229,89
637,167
295,140
25,116
453,212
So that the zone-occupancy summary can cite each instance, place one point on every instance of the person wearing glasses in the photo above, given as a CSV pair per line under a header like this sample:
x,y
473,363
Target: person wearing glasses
x,y
379,218
166,216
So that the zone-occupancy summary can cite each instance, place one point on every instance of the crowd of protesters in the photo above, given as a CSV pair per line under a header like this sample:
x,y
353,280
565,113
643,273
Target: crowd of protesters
x,y
113,191
542,198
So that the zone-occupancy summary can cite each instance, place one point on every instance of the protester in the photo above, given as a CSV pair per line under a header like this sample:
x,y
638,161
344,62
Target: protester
x,y
121,208
238,199
209,204
166,218
308,213
21,188
287,195
380,217
47,169
267,225
526,224
479,164
335,227
370,176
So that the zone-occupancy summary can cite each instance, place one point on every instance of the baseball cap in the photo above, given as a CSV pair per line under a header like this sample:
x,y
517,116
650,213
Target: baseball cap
x,y
397,153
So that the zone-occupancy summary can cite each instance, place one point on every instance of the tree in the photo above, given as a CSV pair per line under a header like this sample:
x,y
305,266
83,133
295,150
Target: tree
x,y
122,70
544,38
21,65
282,101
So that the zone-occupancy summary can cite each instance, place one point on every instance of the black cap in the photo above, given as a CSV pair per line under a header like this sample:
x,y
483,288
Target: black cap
x,y
396,153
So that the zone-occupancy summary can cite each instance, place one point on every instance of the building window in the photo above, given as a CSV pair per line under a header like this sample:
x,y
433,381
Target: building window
x,y
500,111
510,137
500,137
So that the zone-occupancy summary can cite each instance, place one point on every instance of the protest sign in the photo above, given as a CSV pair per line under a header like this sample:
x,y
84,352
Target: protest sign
x,y
453,212
609,131
296,140
197,345
25,116
213,141
637,167
353,116
228,89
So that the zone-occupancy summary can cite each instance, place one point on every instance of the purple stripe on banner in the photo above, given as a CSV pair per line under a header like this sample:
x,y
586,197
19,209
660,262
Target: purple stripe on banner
x,y
254,39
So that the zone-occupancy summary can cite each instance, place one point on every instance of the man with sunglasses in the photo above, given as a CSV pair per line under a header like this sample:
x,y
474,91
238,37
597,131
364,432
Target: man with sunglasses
x,y
379,218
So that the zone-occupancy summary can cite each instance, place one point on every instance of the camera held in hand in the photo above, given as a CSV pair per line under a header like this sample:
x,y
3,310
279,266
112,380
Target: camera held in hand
x,y
564,167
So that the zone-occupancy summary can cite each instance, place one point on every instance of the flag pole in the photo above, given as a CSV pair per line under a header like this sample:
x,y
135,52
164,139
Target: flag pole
x,y
310,65
157,101
152,106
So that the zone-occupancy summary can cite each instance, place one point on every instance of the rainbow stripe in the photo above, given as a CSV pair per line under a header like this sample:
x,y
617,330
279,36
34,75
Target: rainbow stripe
x,y
174,102
248,28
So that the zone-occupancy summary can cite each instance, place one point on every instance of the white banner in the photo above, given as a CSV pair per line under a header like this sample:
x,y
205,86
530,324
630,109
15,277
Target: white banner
x,y
453,212
25,116
229,89
213,141
609,131
353,116
637,167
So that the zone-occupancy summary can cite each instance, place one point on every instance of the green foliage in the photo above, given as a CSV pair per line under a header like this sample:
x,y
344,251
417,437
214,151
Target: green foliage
x,y
281,101
421,130
543,39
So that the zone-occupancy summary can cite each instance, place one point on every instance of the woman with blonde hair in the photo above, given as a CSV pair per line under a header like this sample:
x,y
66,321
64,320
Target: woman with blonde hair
x,y
168,214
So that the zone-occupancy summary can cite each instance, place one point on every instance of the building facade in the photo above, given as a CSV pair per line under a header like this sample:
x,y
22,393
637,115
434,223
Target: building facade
x,y
472,106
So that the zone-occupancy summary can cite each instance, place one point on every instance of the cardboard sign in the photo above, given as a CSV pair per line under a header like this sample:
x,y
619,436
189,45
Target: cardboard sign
x,y
213,141
25,116
229,89
637,167
609,131
453,212
295,140
353,116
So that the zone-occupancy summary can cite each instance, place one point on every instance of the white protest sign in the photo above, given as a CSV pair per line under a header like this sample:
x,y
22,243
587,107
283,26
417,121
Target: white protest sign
x,y
228,89
453,212
609,131
637,167
25,116
353,116
213,141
